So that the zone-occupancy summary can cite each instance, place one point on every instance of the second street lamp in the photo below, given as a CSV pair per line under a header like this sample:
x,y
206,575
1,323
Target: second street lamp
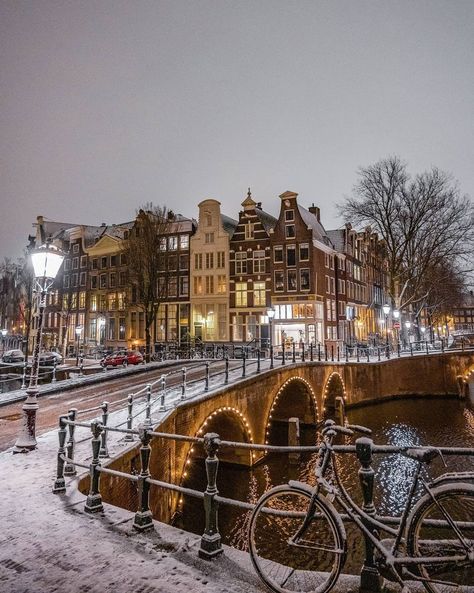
x,y
271,315
78,338
46,261
386,311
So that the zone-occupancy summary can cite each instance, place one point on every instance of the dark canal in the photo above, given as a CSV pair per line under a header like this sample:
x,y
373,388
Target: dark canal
x,y
446,422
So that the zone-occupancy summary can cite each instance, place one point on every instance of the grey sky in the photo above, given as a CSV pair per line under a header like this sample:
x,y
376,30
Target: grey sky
x,y
106,105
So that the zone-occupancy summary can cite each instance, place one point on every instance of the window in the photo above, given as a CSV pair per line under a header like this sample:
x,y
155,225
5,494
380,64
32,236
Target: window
x,y
341,286
208,219
241,294
198,261
75,248
123,259
197,285
333,286
82,300
249,230
209,261
290,231
209,238
278,254
111,301
279,282
259,262
304,279
122,278
259,294
291,255
209,284
221,259
74,279
83,261
93,282
112,280
240,263
184,261
221,284
112,328
162,243
172,262
326,260
103,280
121,300
172,286
122,328
183,285
67,265
162,286
173,243
82,279
74,301
341,263
238,328
66,281
75,263
95,264
103,262
304,252
289,215
113,261
291,275
184,241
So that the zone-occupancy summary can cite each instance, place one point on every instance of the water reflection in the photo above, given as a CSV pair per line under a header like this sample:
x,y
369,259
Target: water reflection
x,y
402,423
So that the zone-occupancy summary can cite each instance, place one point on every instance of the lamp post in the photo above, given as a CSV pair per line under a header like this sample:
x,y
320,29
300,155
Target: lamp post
x,y
271,315
408,325
386,311
46,261
78,331
396,316
4,335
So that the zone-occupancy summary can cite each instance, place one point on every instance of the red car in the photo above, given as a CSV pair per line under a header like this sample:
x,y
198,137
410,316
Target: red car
x,y
122,358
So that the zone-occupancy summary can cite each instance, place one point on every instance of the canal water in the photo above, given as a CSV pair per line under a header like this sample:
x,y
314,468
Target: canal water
x,y
442,422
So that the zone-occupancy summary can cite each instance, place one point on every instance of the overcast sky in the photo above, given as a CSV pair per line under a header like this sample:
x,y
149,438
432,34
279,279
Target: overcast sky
x,y
106,105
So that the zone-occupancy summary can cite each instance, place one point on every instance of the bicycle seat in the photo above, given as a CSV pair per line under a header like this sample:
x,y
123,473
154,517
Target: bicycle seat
x,y
425,455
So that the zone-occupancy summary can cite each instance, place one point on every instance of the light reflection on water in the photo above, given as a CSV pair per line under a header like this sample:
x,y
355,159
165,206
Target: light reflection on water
x,y
438,422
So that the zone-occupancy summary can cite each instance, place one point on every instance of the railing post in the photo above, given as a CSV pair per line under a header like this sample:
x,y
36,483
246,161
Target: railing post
x,y
94,499
70,468
211,540
271,356
23,377
60,482
378,353
319,352
411,349
129,436
332,352
387,351
399,349
147,420
258,360
143,517
206,380
183,383
368,354
311,348
338,354
105,416
81,366
427,351
163,393
370,581
244,358
293,359
283,353
303,359
442,344
53,378
347,353
358,355
226,374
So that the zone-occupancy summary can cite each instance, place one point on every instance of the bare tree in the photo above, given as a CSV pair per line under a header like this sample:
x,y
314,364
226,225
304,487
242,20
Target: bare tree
x,y
145,251
424,221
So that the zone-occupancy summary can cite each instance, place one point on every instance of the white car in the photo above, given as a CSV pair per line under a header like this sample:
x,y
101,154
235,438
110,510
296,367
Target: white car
x,y
13,356
49,358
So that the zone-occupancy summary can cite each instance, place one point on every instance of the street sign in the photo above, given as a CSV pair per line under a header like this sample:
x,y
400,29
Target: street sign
x,y
396,325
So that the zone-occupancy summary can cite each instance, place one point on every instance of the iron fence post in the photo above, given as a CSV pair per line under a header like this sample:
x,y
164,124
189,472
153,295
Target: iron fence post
x,y
426,347
442,345
370,581
226,373
319,352
411,349
357,354
183,383
53,378
70,468
293,359
368,355
129,436
105,416
81,366
258,360
60,482
332,353
347,353
311,348
211,540
399,350
143,517
271,356
163,393
282,353
94,498
244,357
206,381
338,354
378,353
147,421
303,359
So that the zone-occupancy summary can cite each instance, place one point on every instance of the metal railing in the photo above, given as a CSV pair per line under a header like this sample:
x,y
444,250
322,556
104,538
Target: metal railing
x,y
211,544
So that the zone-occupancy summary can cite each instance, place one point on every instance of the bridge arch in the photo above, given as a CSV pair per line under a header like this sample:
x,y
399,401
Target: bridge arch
x,y
333,389
294,398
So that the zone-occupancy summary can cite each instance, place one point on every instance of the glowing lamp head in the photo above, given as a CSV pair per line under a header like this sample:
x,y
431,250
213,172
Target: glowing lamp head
x,y
271,313
408,324
396,314
46,261
386,309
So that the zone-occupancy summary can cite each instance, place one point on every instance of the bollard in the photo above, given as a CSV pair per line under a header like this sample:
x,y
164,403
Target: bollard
x,y
183,383
60,483
311,348
81,366
319,352
387,350
347,353
129,436
55,364
399,350
378,353
411,349
293,360
442,345
23,377
226,373
303,358
244,358
143,518
368,355
283,354
206,380
211,540
147,420
105,416
370,580
325,352
70,468
163,393
338,354
258,360
271,356
332,353
357,353
94,499
233,350
427,351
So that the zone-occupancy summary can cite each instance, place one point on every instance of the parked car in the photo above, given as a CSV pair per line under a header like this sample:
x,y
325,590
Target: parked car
x,y
49,358
122,358
13,356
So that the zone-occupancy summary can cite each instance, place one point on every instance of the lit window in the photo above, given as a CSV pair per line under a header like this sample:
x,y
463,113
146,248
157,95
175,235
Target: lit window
x,y
259,294
259,262
241,294
240,263
279,282
291,280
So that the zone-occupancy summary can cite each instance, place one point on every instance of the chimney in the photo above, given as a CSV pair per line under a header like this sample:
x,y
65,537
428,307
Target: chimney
x,y
259,205
315,210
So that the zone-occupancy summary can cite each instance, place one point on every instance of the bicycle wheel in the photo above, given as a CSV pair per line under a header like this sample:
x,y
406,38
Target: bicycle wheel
x,y
432,534
313,562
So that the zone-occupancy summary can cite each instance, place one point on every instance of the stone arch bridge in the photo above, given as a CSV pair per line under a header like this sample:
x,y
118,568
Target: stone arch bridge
x,y
248,409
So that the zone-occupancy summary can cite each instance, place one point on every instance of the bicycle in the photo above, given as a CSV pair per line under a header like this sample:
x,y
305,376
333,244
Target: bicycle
x,y
298,543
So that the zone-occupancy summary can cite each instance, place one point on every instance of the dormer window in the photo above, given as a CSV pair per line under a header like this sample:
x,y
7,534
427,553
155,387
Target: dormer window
x,y
289,215
208,218
290,231
249,231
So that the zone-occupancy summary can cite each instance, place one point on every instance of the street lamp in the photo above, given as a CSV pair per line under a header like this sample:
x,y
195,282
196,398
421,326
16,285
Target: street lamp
x,y
4,335
386,311
78,337
271,315
46,261
396,316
